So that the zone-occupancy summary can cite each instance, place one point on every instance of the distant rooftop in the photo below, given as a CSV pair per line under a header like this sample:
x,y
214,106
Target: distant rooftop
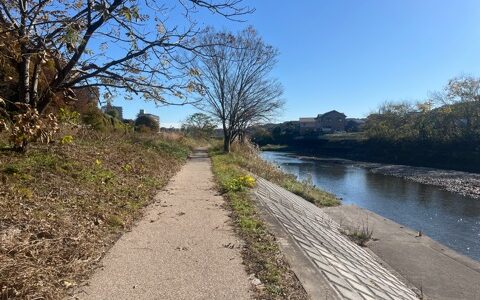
x,y
307,120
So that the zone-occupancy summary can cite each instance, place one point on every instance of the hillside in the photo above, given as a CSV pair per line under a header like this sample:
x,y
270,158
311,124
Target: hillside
x,y
64,204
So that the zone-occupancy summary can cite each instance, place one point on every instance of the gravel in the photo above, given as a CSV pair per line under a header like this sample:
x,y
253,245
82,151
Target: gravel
x,y
463,183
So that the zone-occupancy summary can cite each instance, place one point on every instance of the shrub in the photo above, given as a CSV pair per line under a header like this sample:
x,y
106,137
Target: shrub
x,y
102,122
65,116
144,121
95,118
28,126
113,113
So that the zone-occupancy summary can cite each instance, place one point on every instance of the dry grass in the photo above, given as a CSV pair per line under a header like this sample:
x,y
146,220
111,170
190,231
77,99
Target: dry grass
x,y
360,235
63,205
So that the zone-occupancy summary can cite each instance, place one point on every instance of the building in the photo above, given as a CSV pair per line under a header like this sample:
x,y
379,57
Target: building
x,y
332,121
308,124
354,125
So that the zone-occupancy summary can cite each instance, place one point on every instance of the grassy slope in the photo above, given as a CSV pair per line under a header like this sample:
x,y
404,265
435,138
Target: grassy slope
x,y
248,158
261,255
62,206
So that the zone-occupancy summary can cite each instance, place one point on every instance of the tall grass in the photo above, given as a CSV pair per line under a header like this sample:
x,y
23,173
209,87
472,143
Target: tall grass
x,y
247,156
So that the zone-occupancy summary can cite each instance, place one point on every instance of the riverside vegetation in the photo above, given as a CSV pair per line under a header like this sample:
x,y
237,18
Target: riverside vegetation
x,y
442,131
247,156
65,203
262,255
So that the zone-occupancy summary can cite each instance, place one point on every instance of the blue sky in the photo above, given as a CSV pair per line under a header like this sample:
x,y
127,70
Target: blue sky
x,y
352,55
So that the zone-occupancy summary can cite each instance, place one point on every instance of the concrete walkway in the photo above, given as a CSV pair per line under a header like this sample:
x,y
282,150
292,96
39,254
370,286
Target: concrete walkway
x,y
327,263
184,247
440,272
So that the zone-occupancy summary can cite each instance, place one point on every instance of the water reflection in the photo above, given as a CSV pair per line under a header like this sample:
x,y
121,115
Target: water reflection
x,y
449,218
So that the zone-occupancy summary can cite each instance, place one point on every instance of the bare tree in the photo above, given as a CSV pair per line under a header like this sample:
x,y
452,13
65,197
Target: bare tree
x,y
128,45
461,89
199,125
234,78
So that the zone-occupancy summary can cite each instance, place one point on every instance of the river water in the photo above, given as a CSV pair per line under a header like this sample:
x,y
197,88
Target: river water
x,y
446,217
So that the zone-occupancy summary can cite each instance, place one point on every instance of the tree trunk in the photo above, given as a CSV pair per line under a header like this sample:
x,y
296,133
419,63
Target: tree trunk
x,y
44,101
34,85
24,68
226,143
226,137
25,77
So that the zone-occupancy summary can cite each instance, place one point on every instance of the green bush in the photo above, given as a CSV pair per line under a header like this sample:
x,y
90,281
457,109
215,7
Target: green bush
x,y
102,122
66,116
144,122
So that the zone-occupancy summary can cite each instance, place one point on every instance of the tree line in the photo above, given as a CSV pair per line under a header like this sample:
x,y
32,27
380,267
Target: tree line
x,y
451,115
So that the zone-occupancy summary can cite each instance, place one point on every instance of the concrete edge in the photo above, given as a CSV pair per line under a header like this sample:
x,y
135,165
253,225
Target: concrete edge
x,y
434,245
314,283
420,294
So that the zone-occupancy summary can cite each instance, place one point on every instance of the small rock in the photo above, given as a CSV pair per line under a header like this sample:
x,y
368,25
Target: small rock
x,y
229,246
256,282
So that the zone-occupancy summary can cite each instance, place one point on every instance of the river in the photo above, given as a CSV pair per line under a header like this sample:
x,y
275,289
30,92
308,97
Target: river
x,y
449,218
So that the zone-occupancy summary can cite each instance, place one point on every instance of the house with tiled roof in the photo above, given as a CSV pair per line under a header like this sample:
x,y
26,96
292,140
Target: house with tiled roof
x,y
332,121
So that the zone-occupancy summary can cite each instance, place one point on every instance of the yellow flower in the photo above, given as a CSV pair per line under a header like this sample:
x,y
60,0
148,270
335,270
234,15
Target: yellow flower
x,y
248,181
68,139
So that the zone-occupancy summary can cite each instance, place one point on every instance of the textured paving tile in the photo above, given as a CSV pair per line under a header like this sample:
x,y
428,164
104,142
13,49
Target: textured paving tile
x,y
352,272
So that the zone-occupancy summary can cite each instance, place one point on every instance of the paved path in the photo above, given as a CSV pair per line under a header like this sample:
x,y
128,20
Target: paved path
x,y
328,264
181,249
442,273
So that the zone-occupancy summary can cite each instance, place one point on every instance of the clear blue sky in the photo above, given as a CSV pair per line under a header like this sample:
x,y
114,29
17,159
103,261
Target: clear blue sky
x,y
352,55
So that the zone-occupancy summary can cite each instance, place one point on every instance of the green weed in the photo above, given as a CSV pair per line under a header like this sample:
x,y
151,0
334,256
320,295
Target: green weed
x,y
115,221
261,255
11,169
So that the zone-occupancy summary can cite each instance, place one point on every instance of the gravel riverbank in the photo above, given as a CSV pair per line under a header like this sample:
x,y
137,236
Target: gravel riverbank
x,y
466,184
